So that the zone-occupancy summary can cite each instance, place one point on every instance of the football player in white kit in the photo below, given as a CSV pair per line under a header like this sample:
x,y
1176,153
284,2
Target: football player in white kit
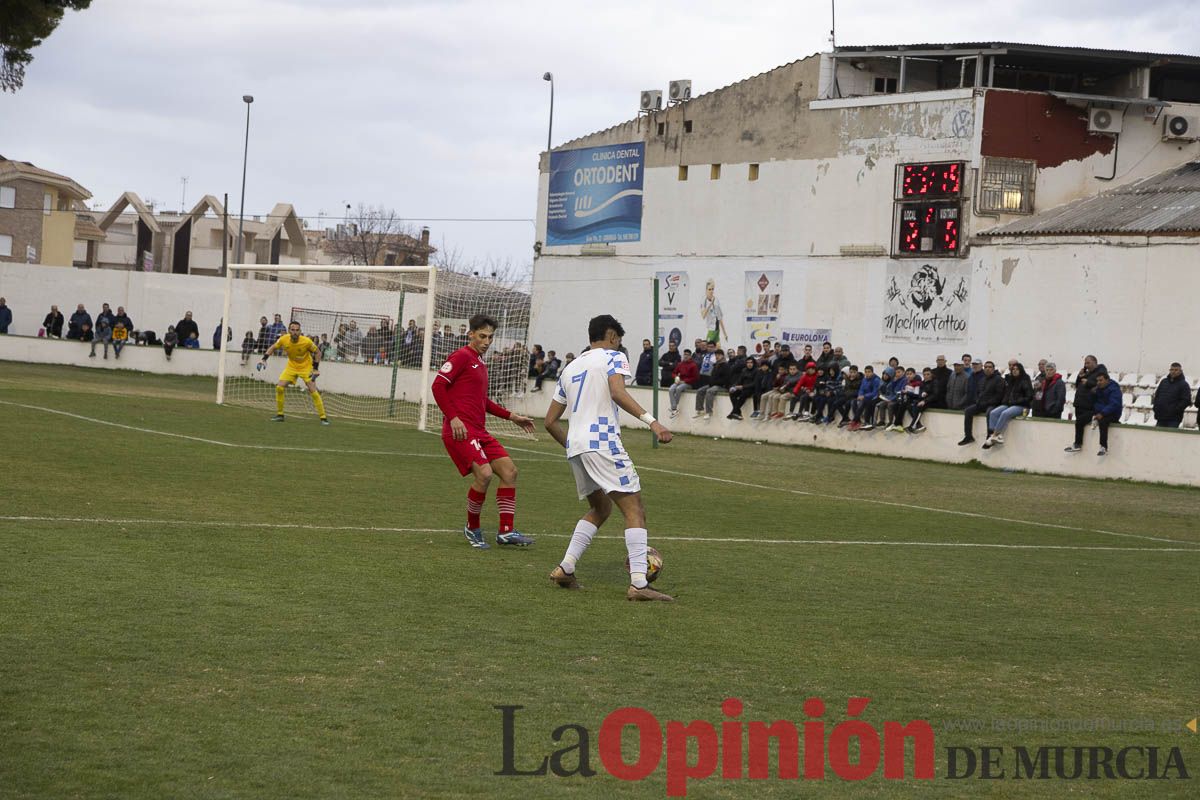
x,y
593,388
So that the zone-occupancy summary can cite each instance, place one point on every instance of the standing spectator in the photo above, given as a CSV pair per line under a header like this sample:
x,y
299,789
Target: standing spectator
x,y
1085,385
742,388
850,388
1105,410
863,412
1171,398
686,375
276,329
644,375
120,338
1018,397
217,335
408,345
667,362
970,367
941,374
974,378
5,316
187,328
956,387
122,317
387,341
549,370
75,325
718,381
705,358
825,359
842,361
170,341
1052,399
990,394
103,335
354,342
264,336
248,343
105,314
53,323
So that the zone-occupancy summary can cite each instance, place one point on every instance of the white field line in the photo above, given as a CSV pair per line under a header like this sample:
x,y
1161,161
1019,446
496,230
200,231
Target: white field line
x,y
800,492
912,506
657,537
219,443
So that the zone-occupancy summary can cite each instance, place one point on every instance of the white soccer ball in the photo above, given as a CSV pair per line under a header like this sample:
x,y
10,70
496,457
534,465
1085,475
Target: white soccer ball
x,y
260,366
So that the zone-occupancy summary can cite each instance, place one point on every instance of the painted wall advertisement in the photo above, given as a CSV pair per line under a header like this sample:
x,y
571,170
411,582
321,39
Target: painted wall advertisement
x,y
595,195
796,338
672,306
926,303
763,288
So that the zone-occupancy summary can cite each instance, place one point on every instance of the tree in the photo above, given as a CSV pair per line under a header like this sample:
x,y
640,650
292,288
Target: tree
x,y
375,236
506,273
23,26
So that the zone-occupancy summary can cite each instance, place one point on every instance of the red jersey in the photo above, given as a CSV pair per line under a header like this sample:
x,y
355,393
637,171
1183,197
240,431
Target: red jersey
x,y
460,390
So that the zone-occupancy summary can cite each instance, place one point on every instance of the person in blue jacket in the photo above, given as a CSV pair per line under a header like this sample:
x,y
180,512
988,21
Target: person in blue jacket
x,y
1106,410
863,411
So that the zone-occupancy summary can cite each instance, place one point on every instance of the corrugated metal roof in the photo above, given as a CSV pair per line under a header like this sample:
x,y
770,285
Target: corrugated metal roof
x,y
1168,202
1026,47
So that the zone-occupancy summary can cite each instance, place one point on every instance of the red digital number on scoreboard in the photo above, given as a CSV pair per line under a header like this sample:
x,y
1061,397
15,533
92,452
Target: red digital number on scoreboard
x,y
931,180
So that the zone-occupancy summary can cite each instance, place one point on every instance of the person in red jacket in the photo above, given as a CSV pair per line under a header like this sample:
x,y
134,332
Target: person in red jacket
x,y
687,375
804,393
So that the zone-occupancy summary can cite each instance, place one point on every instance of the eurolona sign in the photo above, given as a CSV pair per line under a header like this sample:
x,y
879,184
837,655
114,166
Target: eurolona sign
x,y
595,195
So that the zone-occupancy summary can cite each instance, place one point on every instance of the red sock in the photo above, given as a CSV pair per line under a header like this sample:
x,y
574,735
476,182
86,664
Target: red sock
x,y
474,507
506,499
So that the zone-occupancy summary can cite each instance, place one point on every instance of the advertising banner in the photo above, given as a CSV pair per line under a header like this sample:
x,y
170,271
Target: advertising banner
x,y
796,338
763,288
672,306
595,195
926,303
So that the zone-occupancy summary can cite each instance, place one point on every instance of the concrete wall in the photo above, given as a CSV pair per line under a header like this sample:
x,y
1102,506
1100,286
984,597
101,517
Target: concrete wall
x,y
1144,454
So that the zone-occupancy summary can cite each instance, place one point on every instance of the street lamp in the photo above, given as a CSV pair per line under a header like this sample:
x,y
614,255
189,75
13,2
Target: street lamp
x,y
549,76
247,99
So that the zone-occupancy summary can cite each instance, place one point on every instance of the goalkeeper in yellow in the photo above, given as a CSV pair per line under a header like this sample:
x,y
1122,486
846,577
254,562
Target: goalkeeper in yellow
x,y
300,366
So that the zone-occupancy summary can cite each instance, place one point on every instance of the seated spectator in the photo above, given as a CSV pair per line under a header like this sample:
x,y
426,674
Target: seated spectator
x,y
1050,400
170,341
764,381
974,378
850,389
248,345
107,315
910,397
667,362
1171,398
75,325
719,381
742,387
5,316
941,379
86,334
120,338
1018,397
1085,386
53,323
192,342
842,360
956,387
863,412
891,395
825,359
216,340
990,393
829,390
805,394
1106,410
924,400
784,390
644,374
686,375
549,370
103,335
122,317
187,327
536,355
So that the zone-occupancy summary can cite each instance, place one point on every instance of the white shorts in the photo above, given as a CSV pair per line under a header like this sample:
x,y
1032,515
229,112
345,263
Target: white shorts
x,y
604,471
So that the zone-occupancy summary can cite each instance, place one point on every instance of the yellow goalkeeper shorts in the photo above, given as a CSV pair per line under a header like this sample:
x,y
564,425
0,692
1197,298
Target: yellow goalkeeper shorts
x,y
290,375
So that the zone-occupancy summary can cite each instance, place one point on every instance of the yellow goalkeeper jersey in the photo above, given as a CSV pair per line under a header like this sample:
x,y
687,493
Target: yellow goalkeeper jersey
x,y
299,352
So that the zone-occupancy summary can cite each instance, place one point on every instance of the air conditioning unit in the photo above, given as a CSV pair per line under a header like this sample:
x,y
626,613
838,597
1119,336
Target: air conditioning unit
x,y
1104,120
680,91
1177,126
652,100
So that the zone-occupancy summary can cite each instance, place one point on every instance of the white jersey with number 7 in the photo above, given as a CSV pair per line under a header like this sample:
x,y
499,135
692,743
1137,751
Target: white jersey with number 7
x,y
583,388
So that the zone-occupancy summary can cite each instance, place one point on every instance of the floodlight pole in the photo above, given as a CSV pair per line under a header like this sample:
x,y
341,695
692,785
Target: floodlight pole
x,y
241,248
549,76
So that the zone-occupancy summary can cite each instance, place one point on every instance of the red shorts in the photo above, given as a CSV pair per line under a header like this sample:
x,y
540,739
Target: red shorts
x,y
475,449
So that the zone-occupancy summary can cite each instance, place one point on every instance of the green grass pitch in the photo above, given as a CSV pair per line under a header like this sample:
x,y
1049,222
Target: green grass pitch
x,y
242,609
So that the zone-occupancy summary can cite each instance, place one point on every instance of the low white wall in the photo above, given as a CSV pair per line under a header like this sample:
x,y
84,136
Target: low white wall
x,y
1035,445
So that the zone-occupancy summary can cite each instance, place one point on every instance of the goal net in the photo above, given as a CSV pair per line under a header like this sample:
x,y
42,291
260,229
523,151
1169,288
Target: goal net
x,y
382,332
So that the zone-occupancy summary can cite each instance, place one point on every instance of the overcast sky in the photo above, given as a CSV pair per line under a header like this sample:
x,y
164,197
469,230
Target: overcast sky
x,y
438,109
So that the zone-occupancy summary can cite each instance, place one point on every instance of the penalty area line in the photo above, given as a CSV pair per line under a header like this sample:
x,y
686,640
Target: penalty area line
x,y
657,537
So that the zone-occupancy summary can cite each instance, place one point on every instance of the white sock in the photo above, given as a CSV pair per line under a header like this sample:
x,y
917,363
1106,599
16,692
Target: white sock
x,y
635,546
584,531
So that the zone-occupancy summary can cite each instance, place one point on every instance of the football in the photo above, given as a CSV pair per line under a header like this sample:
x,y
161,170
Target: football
x,y
653,564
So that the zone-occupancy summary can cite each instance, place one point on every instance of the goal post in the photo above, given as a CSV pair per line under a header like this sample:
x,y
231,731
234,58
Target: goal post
x,y
382,332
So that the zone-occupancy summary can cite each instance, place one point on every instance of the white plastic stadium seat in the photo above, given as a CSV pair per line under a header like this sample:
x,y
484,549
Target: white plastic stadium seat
x,y
1148,381
1068,413
1143,402
1070,379
1127,380
1127,399
1189,418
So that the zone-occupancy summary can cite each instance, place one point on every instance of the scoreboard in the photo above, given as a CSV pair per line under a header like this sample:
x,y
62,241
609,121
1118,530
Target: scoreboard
x,y
928,208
